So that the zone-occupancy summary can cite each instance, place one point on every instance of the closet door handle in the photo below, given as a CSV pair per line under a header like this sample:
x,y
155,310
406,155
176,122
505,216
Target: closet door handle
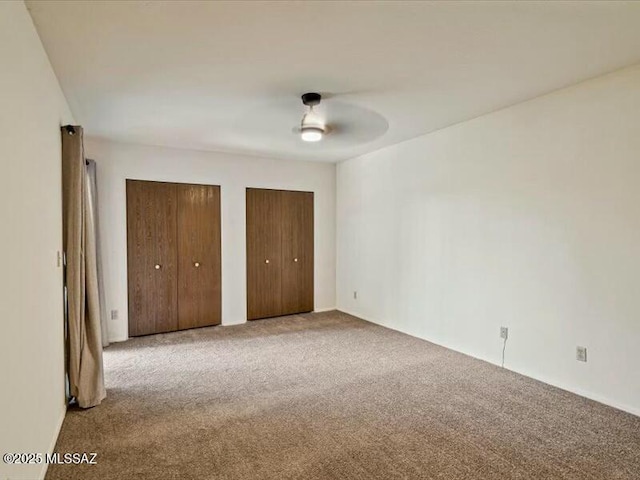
x,y
158,266
295,260
196,264
266,261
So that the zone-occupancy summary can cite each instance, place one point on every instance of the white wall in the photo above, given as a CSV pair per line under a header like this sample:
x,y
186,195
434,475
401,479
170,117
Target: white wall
x,y
528,217
119,161
32,108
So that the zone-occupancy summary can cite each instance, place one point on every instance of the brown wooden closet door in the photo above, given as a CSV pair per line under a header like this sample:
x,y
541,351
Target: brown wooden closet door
x,y
297,252
199,256
264,253
151,257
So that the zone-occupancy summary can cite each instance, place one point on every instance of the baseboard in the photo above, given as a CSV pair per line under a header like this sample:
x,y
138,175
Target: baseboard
x,y
52,446
321,310
231,324
576,391
225,324
344,310
582,393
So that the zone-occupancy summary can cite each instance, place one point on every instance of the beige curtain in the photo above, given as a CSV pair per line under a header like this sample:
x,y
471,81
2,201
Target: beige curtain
x,y
84,339
93,224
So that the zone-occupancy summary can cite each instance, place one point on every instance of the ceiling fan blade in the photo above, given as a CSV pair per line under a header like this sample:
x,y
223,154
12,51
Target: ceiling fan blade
x,y
277,122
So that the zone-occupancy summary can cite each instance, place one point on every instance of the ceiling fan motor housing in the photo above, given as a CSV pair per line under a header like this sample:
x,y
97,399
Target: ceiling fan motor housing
x,y
311,99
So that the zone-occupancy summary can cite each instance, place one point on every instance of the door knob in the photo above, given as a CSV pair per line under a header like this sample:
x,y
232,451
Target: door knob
x,y
295,259
157,267
196,264
266,261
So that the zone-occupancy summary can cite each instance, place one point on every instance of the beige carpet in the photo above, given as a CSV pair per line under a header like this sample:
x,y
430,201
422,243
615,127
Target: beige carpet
x,y
329,396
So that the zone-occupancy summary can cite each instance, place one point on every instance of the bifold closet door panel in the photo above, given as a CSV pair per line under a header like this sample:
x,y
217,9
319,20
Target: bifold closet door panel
x,y
297,252
151,257
199,256
264,253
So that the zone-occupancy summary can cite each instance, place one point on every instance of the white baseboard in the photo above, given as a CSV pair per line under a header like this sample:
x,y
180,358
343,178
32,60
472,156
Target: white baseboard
x,y
232,323
52,446
344,310
224,324
118,339
321,310
582,393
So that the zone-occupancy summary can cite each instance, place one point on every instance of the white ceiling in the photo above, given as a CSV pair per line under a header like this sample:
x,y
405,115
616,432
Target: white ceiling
x,y
227,76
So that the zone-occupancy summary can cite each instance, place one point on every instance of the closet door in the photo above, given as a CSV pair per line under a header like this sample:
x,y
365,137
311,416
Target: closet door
x,y
297,252
151,257
199,256
264,253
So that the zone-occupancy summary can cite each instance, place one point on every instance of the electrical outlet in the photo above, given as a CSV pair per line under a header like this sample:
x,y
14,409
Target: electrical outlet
x,y
581,354
58,259
355,294
114,314
504,332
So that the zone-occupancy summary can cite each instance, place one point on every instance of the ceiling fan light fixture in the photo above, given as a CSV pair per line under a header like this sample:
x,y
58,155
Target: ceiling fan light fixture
x,y
310,133
311,127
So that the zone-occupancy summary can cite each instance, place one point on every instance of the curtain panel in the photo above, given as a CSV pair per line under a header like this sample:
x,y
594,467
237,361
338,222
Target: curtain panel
x,y
84,335
93,224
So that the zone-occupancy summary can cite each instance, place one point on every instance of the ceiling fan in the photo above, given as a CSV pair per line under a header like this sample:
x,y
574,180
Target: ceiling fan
x,y
326,122
348,124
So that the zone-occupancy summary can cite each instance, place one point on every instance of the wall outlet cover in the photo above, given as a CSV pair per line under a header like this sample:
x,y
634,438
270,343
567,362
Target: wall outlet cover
x,y
581,354
114,314
355,294
504,332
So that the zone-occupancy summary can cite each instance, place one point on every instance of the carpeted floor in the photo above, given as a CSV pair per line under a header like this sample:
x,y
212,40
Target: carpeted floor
x,y
329,396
